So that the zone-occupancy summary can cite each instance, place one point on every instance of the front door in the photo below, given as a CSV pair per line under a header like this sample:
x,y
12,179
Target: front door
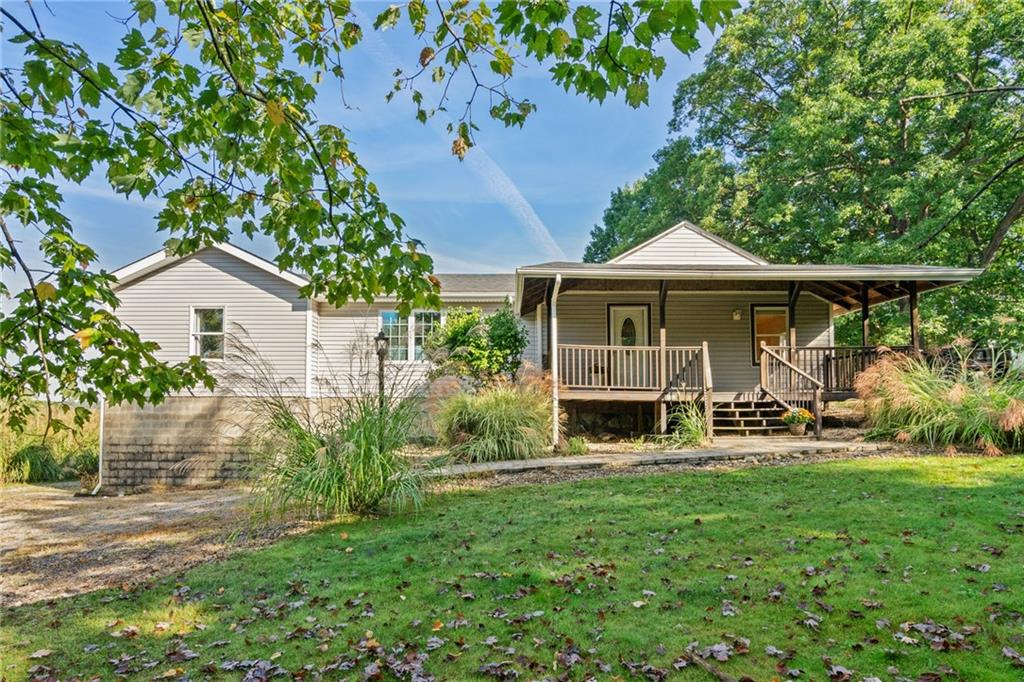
x,y
628,325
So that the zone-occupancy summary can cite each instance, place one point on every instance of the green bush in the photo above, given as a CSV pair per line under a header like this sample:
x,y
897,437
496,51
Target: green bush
x,y
25,457
577,445
30,464
477,346
499,422
944,404
687,426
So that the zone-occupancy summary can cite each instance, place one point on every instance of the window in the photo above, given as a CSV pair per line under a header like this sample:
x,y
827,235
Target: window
x,y
406,336
425,323
769,324
208,333
396,331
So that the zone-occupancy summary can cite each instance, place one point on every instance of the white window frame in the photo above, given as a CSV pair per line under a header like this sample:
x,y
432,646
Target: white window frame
x,y
410,356
193,331
755,350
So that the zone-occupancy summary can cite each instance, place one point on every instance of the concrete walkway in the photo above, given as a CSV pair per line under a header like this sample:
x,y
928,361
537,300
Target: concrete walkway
x,y
725,448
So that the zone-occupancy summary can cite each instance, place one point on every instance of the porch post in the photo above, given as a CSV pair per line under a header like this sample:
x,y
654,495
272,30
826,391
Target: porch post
x,y
553,357
546,362
915,320
662,358
794,295
865,313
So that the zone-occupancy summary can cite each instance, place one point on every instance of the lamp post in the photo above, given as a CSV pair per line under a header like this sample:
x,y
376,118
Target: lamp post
x,y
382,354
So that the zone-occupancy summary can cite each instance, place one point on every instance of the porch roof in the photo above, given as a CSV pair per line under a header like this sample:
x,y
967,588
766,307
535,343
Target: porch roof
x,y
841,285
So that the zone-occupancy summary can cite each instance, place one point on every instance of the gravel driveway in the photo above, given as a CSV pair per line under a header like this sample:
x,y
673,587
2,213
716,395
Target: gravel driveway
x,y
53,544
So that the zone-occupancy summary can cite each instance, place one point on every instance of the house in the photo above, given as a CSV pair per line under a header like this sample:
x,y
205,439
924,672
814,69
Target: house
x,y
683,316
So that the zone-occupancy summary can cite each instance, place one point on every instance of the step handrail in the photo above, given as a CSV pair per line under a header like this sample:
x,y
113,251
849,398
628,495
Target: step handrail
x,y
767,351
819,386
776,398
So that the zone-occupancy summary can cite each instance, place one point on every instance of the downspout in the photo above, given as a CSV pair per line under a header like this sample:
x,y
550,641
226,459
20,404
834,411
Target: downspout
x,y
99,471
554,360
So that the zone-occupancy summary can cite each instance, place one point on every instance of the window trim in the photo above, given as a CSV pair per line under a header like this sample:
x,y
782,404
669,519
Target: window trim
x,y
410,355
755,355
194,333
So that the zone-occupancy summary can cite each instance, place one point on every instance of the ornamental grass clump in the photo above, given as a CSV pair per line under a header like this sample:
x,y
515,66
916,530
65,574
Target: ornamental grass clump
x,y
688,426
347,461
944,403
501,421
338,453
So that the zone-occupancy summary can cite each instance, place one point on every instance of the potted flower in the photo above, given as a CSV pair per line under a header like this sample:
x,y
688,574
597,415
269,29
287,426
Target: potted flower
x,y
797,420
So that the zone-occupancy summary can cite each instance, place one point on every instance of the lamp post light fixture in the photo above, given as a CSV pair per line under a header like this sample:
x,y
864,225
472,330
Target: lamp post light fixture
x,y
381,341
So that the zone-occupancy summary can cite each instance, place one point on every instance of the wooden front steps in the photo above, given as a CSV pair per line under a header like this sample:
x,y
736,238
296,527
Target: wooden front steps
x,y
748,417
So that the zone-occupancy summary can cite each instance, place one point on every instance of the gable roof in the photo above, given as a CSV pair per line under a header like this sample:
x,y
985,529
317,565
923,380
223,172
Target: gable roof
x,y
161,259
671,246
484,287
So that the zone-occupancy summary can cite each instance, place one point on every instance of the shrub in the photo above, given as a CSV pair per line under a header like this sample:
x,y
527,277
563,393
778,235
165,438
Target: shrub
x,y
33,463
477,346
687,426
499,422
25,457
944,403
577,445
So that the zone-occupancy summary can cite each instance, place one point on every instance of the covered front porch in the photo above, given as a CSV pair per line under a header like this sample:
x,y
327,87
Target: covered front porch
x,y
744,340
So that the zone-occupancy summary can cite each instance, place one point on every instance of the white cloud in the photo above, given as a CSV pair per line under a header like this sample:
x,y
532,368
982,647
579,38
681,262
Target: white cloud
x,y
108,194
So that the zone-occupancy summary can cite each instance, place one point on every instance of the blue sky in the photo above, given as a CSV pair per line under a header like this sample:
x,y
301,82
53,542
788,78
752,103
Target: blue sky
x,y
522,195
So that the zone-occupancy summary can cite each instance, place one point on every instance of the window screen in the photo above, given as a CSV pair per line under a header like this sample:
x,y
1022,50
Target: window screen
x,y
208,333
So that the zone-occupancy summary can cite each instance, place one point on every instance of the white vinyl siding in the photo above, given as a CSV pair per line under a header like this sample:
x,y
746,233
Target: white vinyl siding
x,y
266,307
682,246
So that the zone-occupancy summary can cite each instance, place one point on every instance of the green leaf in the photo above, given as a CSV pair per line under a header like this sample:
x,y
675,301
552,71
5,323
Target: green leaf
x,y
145,10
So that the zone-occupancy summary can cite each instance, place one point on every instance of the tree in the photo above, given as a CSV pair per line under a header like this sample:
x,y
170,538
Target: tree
x,y
860,131
211,108
479,347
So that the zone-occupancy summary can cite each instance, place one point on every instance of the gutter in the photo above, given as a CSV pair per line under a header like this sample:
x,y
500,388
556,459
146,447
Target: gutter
x,y
99,471
950,275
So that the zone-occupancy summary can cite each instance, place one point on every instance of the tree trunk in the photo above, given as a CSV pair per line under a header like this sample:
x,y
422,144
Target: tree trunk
x,y
1015,212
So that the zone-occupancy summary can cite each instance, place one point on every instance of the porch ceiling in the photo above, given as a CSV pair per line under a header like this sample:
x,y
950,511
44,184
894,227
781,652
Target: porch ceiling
x,y
841,285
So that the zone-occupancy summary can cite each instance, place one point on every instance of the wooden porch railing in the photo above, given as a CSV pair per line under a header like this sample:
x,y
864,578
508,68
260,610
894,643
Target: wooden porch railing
x,y
835,366
631,368
791,386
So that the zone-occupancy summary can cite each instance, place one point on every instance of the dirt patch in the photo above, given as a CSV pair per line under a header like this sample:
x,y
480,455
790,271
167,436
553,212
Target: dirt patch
x,y
53,544
566,475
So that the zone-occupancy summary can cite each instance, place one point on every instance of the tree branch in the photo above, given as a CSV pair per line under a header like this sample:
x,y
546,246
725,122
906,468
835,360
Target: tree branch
x,y
1003,228
12,245
1002,171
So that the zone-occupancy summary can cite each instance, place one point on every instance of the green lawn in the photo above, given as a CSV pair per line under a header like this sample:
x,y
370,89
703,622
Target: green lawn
x,y
827,564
